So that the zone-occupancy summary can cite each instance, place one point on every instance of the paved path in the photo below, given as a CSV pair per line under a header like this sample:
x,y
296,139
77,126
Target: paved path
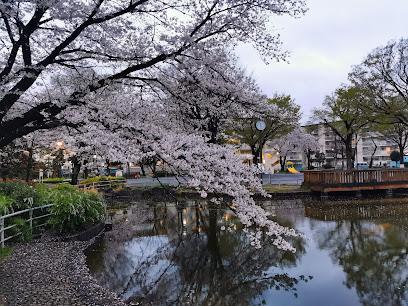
x,y
52,273
274,179
282,179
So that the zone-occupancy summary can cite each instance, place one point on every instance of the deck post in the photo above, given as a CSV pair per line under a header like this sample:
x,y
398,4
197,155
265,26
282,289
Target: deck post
x,y
359,194
388,193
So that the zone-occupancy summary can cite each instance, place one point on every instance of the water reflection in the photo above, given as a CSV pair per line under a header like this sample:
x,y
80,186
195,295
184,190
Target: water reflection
x,y
192,255
374,257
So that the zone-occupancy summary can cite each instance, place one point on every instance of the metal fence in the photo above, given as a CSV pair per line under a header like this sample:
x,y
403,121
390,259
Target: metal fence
x,y
282,179
41,212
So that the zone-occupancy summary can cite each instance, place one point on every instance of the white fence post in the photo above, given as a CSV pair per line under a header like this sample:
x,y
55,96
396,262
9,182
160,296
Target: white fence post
x,y
2,232
30,214
30,211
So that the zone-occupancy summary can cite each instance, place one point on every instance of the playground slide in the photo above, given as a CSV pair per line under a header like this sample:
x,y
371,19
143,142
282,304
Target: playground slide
x,y
292,170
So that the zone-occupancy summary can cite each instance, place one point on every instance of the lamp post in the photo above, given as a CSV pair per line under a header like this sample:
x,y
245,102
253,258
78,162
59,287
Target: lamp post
x,y
260,125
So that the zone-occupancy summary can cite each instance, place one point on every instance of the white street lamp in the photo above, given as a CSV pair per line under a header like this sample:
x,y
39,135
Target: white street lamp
x,y
260,125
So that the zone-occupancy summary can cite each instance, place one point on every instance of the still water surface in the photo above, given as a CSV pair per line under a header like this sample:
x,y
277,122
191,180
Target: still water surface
x,y
187,254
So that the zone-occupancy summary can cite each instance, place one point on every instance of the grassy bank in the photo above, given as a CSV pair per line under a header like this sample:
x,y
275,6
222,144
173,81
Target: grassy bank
x,y
4,252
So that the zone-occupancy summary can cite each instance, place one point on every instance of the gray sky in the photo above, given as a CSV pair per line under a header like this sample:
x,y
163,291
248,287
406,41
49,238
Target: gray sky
x,y
324,44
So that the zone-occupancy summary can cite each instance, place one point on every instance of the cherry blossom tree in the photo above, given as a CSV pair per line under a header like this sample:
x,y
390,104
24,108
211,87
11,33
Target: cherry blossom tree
x,y
296,141
123,40
205,96
310,146
139,129
18,158
97,67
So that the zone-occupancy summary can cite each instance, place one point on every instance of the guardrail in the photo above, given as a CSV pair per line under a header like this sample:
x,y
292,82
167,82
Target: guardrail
x,y
31,218
102,184
339,177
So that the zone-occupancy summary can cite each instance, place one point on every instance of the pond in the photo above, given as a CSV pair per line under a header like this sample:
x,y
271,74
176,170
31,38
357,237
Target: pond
x,y
186,253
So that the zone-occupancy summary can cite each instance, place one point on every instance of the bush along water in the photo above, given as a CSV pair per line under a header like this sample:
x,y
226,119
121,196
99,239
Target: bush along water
x,y
72,210
22,229
6,205
19,193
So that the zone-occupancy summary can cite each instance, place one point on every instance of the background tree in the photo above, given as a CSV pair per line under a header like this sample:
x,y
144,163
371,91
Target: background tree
x,y
341,112
281,119
297,141
384,76
398,134
319,158
310,145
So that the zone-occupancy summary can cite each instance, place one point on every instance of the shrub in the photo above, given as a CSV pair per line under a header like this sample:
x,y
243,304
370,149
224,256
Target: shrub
x,y
42,194
4,252
23,228
55,180
18,191
5,205
73,209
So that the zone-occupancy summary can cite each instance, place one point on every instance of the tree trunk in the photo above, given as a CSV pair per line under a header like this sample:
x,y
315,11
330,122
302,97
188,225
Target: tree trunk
x,y
255,155
349,152
76,167
107,167
308,157
142,169
29,164
128,169
401,151
86,170
372,155
282,161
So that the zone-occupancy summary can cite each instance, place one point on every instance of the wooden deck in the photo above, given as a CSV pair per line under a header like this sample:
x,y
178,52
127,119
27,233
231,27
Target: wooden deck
x,y
356,180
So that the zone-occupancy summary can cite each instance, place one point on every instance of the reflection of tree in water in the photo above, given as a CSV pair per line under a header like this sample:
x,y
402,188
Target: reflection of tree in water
x,y
189,260
374,257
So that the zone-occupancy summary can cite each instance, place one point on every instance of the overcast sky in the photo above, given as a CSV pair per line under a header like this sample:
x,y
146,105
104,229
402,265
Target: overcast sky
x,y
324,44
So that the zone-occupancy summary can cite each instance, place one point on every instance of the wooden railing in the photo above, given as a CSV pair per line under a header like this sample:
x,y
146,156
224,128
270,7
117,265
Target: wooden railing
x,y
103,184
30,211
341,177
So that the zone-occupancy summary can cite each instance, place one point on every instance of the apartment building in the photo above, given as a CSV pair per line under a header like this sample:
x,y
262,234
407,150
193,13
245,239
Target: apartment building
x,y
369,145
